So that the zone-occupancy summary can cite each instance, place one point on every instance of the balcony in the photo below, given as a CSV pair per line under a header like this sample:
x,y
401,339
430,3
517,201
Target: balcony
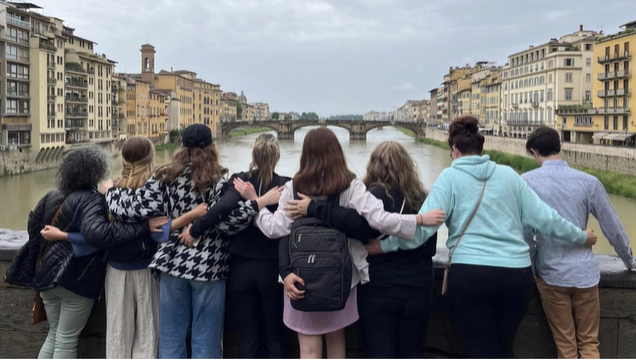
x,y
18,40
76,113
47,46
573,109
74,125
51,81
121,116
607,75
606,93
76,83
17,22
16,58
534,103
515,105
75,68
615,57
622,92
17,112
525,122
50,64
76,99
50,114
623,74
15,93
50,98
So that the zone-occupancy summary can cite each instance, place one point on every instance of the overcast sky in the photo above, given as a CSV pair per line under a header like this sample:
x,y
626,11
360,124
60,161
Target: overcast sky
x,y
328,56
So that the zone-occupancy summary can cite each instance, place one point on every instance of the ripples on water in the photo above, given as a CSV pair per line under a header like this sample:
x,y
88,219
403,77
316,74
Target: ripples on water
x,y
19,194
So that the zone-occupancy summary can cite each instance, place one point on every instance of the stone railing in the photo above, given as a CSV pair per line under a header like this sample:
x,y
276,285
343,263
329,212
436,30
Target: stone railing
x,y
19,339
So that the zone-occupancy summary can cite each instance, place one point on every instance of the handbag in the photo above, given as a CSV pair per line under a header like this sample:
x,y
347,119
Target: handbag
x,y
450,254
38,313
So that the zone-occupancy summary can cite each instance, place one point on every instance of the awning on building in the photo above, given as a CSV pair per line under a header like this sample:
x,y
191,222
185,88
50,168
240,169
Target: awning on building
x,y
486,129
599,135
618,136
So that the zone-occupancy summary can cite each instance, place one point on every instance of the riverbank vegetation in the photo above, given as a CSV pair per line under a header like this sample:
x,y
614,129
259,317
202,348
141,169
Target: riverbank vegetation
x,y
167,146
407,132
247,131
614,183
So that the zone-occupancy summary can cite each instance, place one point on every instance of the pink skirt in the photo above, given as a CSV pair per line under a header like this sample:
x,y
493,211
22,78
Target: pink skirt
x,y
320,323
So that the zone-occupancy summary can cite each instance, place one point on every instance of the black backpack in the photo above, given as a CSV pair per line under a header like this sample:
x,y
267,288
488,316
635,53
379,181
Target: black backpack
x,y
320,256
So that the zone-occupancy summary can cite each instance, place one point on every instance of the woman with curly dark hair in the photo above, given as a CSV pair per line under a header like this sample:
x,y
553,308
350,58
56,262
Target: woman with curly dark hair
x,y
68,283
489,274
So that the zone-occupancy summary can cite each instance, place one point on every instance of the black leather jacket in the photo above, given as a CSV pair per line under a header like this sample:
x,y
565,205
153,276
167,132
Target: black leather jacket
x,y
83,211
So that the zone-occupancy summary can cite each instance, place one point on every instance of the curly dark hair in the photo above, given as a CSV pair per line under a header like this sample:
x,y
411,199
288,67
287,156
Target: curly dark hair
x,y
83,167
464,135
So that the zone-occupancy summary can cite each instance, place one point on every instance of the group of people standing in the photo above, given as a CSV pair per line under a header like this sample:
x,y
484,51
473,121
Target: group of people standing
x,y
168,242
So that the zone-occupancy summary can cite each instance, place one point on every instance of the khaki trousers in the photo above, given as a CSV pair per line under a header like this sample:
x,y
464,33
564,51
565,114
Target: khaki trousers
x,y
132,314
574,316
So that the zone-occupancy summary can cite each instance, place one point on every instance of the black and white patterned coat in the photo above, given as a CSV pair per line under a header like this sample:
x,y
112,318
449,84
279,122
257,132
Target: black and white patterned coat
x,y
209,259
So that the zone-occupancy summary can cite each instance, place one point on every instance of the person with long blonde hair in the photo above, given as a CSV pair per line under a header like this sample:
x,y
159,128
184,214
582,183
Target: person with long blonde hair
x,y
255,296
394,306
132,295
323,172
192,274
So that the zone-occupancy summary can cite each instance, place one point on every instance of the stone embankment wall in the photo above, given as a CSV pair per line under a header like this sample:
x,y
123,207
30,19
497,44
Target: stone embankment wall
x,y
608,158
19,162
19,339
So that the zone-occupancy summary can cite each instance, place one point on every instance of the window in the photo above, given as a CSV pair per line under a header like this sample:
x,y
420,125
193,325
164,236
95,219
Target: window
x,y
582,121
615,122
549,78
588,47
549,95
606,123
568,77
568,93
588,62
569,62
625,123
549,115
12,52
588,95
550,64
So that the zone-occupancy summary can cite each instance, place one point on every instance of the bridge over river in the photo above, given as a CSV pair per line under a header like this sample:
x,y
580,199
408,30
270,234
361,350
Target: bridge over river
x,y
357,129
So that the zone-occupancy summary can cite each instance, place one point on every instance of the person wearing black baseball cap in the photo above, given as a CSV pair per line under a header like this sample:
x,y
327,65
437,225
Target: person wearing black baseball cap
x,y
192,273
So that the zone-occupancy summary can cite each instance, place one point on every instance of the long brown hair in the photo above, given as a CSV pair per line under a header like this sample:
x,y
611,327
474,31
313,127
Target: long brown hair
x,y
390,167
205,169
265,156
138,155
323,168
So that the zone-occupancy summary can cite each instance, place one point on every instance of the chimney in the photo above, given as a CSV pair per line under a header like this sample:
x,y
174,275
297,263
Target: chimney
x,y
581,27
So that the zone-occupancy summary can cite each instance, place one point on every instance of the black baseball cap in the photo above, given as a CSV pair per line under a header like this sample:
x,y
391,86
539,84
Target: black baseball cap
x,y
197,136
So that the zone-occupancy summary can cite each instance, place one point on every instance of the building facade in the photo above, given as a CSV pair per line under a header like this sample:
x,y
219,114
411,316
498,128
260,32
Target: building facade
x,y
538,80
608,120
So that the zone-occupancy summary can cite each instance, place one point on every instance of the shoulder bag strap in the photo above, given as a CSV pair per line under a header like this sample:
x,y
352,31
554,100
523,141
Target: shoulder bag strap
x,y
402,208
450,255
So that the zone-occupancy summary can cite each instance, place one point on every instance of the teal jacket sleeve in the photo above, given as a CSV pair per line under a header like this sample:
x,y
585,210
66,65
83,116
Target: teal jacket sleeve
x,y
439,198
540,216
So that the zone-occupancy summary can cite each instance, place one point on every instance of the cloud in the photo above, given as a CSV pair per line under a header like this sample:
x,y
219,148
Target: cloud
x,y
403,87
554,15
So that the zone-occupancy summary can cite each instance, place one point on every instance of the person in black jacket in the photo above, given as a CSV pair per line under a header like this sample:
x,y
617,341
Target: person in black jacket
x,y
394,306
69,284
253,290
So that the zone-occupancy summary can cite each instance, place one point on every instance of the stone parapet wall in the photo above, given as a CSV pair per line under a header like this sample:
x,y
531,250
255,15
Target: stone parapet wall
x,y
19,339
608,158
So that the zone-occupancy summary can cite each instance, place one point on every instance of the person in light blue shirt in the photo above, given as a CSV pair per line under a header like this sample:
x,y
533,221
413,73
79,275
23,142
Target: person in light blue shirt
x,y
568,275
491,275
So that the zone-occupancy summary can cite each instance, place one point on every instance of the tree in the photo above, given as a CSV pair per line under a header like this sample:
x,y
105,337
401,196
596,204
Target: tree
x,y
275,116
288,117
309,116
239,109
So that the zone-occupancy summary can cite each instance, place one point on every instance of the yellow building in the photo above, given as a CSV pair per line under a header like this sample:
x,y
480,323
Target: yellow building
x,y
200,101
157,116
491,103
608,121
229,105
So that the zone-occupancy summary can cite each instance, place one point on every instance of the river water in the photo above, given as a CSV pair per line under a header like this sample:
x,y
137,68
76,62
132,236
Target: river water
x,y
20,193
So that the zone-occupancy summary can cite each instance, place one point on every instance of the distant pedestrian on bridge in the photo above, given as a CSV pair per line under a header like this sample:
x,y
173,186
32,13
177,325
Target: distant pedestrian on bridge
x,y
567,274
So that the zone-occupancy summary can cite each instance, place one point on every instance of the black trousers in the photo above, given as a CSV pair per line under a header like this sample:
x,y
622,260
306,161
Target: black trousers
x,y
488,305
393,328
257,300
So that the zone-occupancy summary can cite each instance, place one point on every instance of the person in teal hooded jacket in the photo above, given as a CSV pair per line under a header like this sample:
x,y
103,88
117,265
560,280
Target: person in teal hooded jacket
x,y
491,275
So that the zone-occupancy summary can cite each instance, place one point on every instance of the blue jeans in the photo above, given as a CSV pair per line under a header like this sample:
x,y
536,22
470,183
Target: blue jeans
x,y
196,305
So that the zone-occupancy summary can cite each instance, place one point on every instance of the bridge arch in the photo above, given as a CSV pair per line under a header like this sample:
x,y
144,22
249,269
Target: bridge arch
x,y
228,127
